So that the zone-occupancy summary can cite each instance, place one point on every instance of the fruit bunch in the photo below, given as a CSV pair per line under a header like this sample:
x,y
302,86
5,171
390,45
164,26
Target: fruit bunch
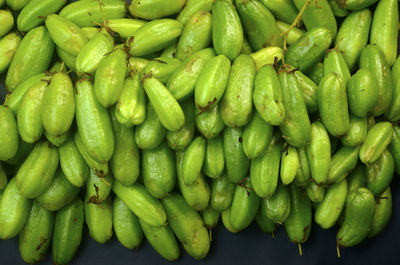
x,y
158,117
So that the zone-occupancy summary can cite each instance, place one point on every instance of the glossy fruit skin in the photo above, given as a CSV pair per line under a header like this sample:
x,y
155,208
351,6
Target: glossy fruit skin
x,y
9,138
88,13
193,6
342,163
267,96
222,191
378,138
353,36
277,207
282,9
94,123
380,173
98,218
309,49
31,15
8,47
265,33
237,103
373,59
359,214
67,233
392,113
333,104
214,161
227,32
394,147
154,9
35,237
383,212
193,160
36,173
163,32
187,225
318,14
32,57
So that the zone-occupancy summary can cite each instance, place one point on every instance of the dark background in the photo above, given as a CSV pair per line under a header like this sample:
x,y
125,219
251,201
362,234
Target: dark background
x,y
250,246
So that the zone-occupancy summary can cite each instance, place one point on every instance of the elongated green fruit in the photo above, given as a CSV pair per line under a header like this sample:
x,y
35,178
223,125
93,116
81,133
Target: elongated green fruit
x,y
380,173
3,179
318,14
180,139
357,178
334,62
150,133
284,10
165,105
65,34
333,105
355,4
8,47
310,48
36,173
304,172
141,203
357,131
98,218
264,170
265,33
237,103
257,136
35,11
394,147
359,214
153,9
296,126
384,29
109,77
212,82
342,163
126,225
393,112
315,193
374,60
60,193
214,160
67,233
9,138
222,191
57,140
245,204
267,55
125,27
319,153
24,149
265,224
293,35
94,124
7,22
183,80
35,237
101,169
227,32
89,13
267,96
310,90
353,36
131,107
210,217
16,5
289,164
196,195
337,10
162,239
193,6
362,92
58,109
14,211
277,207
68,59
161,68
98,189
193,160
329,210
382,214
125,162
163,32
378,138
209,123
196,35
237,164
187,225
32,57
298,223
93,52
225,216
158,170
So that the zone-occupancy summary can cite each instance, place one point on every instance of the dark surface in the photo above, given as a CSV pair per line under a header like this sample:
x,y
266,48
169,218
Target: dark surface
x,y
250,246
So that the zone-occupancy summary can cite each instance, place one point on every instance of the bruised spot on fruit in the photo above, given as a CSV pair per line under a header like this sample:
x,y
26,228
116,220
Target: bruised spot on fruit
x,y
305,232
41,243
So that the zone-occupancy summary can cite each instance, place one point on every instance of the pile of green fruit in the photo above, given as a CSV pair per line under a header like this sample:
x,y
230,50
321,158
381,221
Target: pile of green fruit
x,y
158,117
